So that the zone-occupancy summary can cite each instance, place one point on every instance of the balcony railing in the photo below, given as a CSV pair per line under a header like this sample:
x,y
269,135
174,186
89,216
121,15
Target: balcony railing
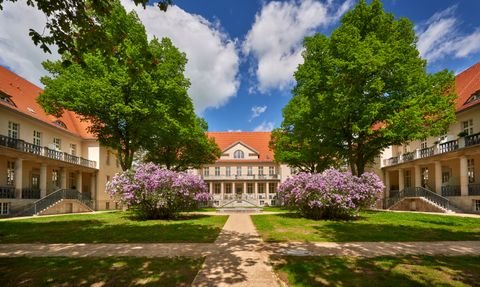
x,y
7,192
242,177
24,146
474,189
472,139
426,152
408,156
451,190
448,146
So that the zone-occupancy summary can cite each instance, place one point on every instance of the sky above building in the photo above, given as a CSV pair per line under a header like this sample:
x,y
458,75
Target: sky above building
x,y
242,54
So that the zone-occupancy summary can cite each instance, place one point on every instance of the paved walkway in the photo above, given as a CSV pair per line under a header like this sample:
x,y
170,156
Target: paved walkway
x,y
240,258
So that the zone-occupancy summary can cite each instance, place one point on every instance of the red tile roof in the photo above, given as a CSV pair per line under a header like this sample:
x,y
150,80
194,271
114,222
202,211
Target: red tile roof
x,y
257,140
467,83
24,95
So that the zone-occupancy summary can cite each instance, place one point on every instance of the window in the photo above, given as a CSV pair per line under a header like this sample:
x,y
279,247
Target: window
x,y
206,171
260,170
408,178
467,127
250,187
227,171
471,170
57,143
271,170
423,143
61,124
10,173
108,157
261,187
406,149
73,149
445,176
6,99
238,154
4,208
476,205
108,178
37,138
217,171
107,205
217,188
228,188
13,130
272,187
55,179
293,170
424,171
474,97
239,170
249,170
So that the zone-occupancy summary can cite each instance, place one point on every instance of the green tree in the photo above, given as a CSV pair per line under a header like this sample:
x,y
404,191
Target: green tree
x,y
367,87
126,95
72,24
183,146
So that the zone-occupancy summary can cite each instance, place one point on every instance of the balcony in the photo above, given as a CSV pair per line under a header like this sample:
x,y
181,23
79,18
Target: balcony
x,y
451,190
30,148
241,177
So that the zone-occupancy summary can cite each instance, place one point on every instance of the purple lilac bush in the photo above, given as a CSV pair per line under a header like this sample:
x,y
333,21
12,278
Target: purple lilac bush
x,y
154,192
331,194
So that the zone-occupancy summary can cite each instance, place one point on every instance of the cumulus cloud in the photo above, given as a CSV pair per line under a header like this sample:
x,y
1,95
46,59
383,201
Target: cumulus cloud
x,y
257,111
17,50
276,37
440,36
213,60
264,127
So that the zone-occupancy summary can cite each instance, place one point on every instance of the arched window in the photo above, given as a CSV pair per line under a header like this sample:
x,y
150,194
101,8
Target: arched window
x,y
238,154
59,123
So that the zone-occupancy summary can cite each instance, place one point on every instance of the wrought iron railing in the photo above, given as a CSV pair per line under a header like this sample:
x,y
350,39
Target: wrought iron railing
x,y
30,193
419,192
7,192
474,189
27,147
408,156
54,197
448,146
472,139
451,190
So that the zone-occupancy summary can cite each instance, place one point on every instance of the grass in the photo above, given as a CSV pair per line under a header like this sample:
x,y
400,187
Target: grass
x,y
112,227
205,209
380,271
371,226
110,271
276,209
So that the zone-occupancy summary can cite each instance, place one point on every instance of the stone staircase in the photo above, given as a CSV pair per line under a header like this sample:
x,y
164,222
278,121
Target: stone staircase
x,y
420,199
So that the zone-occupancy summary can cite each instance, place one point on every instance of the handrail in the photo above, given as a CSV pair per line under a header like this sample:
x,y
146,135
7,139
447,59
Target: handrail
x,y
419,192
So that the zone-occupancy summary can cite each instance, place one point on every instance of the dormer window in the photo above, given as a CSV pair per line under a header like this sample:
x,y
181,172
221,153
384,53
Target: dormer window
x,y
238,154
6,99
473,98
60,124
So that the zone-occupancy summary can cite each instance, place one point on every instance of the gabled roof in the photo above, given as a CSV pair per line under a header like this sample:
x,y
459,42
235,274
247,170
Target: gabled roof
x,y
24,95
241,143
255,140
467,83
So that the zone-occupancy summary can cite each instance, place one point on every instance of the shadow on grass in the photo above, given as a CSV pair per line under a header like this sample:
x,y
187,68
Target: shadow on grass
x,y
118,229
379,271
112,271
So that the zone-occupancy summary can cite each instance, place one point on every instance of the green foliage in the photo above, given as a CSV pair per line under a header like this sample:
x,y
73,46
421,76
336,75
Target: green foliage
x,y
73,24
131,96
363,89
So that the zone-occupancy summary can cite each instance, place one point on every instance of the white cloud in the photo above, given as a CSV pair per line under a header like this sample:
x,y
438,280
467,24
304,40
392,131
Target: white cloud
x,y
275,39
440,36
264,127
257,111
231,131
213,60
17,50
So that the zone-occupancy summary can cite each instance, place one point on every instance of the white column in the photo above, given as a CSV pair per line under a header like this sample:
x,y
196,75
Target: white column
x,y
438,177
79,182
43,180
418,176
463,176
255,190
93,186
222,190
19,177
244,193
63,178
401,179
267,190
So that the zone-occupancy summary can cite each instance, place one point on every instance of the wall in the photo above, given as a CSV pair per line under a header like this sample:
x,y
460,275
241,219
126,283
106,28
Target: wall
x,y
416,204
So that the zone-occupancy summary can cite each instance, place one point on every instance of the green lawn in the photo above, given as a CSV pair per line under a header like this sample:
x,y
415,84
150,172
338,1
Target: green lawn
x,y
110,271
112,227
275,209
380,271
371,226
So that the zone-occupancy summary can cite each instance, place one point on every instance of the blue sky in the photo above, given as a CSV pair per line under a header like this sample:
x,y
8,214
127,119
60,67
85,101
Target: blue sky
x,y
242,54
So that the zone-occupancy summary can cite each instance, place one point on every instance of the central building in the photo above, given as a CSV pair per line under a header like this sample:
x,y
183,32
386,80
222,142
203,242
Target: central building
x,y
246,173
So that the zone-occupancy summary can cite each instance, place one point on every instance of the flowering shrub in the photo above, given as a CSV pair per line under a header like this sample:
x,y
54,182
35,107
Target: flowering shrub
x,y
155,192
331,194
